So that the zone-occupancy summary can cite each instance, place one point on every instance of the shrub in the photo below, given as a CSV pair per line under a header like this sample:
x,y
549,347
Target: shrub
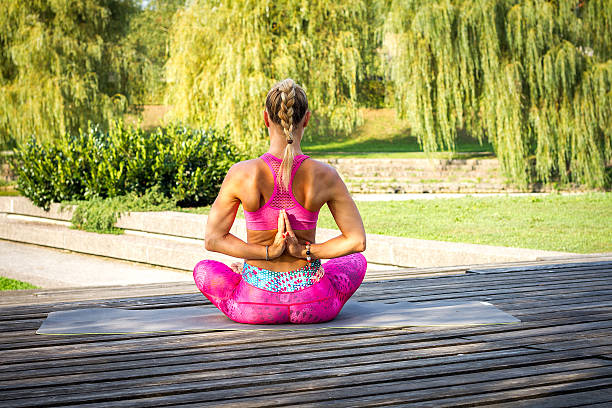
x,y
101,214
185,164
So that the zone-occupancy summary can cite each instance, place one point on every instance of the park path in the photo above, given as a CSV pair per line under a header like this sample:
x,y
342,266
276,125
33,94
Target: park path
x,y
53,268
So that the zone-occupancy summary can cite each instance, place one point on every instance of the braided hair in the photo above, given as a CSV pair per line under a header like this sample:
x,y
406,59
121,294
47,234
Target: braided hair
x,y
286,105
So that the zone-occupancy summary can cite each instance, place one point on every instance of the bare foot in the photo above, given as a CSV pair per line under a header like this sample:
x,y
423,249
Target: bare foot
x,y
237,267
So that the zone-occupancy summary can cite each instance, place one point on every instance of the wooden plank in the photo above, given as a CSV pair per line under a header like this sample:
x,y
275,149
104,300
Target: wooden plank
x,y
564,398
261,363
71,340
540,267
50,296
467,281
576,324
504,297
564,340
523,313
256,370
526,290
439,284
219,342
462,360
522,396
286,353
504,303
53,296
38,347
198,299
470,282
433,385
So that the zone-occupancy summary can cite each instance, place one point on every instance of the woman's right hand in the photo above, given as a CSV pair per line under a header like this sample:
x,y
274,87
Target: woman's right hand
x,y
278,246
293,245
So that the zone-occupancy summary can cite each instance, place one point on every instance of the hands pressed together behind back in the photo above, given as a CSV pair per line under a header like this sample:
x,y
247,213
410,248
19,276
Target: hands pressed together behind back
x,y
285,239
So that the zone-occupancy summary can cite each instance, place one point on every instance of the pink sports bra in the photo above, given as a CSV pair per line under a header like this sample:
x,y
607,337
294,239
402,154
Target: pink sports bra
x,y
266,218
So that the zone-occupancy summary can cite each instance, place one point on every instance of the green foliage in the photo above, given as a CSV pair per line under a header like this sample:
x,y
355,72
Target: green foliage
x,y
101,214
186,164
372,93
383,135
148,43
13,284
226,55
534,77
62,65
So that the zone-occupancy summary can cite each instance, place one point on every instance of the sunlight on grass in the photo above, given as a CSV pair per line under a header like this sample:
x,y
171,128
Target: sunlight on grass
x,y
13,284
569,223
381,133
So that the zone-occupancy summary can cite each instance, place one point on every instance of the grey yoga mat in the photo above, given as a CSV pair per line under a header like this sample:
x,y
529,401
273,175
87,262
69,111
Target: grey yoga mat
x,y
199,318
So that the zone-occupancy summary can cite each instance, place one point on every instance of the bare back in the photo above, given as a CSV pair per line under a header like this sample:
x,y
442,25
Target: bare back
x,y
315,183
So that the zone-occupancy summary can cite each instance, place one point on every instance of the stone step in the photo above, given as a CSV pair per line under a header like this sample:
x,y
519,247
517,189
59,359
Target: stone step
x,y
357,165
421,175
400,188
424,178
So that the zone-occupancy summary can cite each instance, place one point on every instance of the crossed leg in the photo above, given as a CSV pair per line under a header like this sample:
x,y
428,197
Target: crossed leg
x,y
244,303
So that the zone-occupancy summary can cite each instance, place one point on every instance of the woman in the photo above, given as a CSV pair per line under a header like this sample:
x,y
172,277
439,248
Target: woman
x,y
282,279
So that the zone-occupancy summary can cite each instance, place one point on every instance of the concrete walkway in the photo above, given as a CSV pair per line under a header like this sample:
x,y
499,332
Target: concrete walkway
x,y
52,268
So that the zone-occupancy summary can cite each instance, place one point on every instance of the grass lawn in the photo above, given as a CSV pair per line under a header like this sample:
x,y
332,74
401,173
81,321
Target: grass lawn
x,y
382,135
569,223
8,188
12,284
579,223
9,192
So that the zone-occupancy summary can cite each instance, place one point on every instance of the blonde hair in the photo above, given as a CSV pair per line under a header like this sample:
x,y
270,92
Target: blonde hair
x,y
286,105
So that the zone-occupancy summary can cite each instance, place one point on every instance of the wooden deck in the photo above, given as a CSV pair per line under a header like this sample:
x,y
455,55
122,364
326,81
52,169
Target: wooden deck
x,y
561,355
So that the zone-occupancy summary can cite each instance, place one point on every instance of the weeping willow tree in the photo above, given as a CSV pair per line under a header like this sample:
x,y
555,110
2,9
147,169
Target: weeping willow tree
x,y
148,43
534,77
226,55
62,65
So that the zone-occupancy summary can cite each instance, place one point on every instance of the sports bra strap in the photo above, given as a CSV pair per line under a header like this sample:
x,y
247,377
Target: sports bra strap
x,y
274,164
266,217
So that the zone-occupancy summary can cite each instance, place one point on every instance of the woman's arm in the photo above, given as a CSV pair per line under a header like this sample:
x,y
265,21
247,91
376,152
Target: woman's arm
x,y
221,218
348,219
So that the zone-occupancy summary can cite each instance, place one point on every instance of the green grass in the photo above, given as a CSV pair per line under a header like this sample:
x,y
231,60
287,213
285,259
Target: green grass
x,y
575,223
200,210
382,135
12,284
7,188
9,193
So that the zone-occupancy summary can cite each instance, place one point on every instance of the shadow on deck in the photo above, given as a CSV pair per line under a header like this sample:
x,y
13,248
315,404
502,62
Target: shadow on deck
x,y
561,355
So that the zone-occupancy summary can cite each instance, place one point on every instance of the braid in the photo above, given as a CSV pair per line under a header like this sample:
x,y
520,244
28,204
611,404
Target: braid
x,y
287,93
287,104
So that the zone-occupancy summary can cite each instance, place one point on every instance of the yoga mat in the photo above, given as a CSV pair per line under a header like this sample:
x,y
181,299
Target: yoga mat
x,y
199,318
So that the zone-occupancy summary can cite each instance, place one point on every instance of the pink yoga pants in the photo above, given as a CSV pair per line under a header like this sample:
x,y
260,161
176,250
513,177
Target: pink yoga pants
x,y
244,303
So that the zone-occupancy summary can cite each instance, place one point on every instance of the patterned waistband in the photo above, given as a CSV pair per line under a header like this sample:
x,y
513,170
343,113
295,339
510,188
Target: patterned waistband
x,y
283,281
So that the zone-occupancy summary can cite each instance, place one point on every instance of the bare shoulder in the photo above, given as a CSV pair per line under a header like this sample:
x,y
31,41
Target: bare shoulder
x,y
324,173
242,170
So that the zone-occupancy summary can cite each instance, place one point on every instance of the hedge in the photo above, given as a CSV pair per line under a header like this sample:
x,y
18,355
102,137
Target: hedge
x,y
185,164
